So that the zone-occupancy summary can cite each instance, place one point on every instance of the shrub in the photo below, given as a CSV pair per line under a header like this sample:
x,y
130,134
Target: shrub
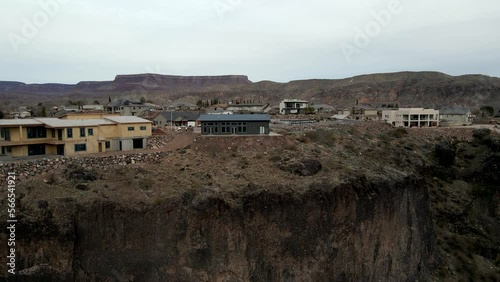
x,y
321,136
481,134
78,173
399,132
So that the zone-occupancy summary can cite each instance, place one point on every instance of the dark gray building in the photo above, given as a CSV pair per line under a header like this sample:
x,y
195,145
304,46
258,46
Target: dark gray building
x,y
248,124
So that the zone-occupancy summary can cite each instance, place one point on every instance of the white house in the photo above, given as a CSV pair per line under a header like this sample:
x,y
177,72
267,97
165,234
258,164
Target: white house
x,y
411,117
293,106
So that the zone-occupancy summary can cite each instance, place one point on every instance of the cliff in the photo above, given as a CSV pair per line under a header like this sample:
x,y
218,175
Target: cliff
x,y
361,202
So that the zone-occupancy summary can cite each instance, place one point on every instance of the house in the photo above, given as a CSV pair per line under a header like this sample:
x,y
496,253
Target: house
x,y
293,106
130,108
344,112
217,111
22,114
182,106
248,108
323,108
411,117
455,116
364,112
187,119
93,107
72,136
238,124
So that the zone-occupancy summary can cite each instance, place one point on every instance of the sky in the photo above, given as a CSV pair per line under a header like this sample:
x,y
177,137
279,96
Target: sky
x,y
68,41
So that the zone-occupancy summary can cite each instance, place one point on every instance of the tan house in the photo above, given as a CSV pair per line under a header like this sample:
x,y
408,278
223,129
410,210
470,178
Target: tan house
x,y
456,116
411,117
70,136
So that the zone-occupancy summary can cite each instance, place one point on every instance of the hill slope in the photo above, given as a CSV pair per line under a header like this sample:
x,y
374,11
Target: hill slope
x,y
426,89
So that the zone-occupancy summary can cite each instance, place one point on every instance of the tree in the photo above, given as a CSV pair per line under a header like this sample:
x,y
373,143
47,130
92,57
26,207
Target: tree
x,y
43,112
96,102
199,103
309,110
487,111
143,100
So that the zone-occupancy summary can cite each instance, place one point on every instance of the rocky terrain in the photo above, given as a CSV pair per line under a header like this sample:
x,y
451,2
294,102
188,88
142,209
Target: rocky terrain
x,y
425,89
333,202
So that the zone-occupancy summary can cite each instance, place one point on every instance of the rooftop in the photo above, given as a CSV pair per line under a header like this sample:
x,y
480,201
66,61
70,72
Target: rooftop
x,y
454,111
236,117
126,119
55,122
18,122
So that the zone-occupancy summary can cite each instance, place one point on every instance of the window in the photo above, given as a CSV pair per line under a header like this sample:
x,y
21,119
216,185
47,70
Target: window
x,y
80,147
1,133
53,133
82,132
143,128
91,132
131,128
36,150
36,132
108,144
69,132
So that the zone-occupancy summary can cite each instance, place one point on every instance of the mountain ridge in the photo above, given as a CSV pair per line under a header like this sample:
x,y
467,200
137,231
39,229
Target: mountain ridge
x,y
425,89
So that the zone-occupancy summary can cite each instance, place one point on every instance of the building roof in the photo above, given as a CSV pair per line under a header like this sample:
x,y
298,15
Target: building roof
x,y
236,117
183,104
322,106
246,105
60,123
294,100
55,122
18,122
454,111
126,119
123,102
183,115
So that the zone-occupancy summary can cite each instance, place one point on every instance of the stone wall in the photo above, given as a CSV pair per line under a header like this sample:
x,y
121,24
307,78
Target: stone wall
x,y
29,169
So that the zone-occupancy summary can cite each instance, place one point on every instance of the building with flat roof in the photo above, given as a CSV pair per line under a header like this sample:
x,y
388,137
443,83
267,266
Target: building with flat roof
x,y
238,124
130,108
68,137
187,119
293,106
411,117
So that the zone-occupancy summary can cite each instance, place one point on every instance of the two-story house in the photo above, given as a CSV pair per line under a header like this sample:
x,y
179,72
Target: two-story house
x,y
71,136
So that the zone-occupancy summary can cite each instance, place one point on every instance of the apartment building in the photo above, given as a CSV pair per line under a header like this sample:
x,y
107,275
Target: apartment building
x,y
411,117
71,135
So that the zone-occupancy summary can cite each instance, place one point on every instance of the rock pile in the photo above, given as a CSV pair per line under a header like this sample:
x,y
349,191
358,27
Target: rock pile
x,y
27,170
159,141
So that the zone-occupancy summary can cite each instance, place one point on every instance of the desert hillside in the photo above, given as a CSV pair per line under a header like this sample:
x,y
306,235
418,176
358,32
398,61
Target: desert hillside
x,y
426,89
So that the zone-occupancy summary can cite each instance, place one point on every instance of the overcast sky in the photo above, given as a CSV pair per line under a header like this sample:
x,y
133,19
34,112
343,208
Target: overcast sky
x,y
69,41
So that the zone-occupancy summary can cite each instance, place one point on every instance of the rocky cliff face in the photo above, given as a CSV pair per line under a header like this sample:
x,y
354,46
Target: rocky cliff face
x,y
360,230
356,231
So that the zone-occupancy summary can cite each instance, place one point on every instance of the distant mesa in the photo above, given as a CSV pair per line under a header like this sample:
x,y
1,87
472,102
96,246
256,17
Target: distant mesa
x,y
171,81
125,83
